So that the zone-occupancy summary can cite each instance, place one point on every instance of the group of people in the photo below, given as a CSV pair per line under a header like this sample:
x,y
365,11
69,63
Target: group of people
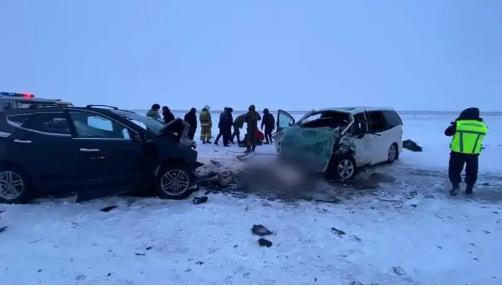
x,y
226,121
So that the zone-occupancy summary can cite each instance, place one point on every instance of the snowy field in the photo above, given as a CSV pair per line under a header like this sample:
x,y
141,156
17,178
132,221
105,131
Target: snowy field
x,y
408,231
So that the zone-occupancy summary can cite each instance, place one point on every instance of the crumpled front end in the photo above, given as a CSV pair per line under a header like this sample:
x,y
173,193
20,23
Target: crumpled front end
x,y
313,148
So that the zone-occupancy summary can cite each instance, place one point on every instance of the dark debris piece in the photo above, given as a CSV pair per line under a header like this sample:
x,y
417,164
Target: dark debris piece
x,y
2,229
108,208
338,231
412,146
264,242
200,200
260,230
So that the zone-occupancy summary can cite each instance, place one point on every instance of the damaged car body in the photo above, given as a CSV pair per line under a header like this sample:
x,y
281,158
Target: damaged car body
x,y
96,151
339,141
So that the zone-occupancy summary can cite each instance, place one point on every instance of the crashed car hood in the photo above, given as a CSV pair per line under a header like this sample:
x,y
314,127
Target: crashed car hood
x,y
309,147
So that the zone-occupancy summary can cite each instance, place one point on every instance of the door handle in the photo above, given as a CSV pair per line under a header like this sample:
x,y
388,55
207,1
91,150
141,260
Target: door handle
x,y
89,150
22,141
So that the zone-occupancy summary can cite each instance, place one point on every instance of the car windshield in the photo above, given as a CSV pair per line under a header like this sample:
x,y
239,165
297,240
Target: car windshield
x,y
147,123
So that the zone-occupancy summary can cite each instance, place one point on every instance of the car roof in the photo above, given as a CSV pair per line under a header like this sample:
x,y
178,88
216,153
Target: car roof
x,y
355,109
32,99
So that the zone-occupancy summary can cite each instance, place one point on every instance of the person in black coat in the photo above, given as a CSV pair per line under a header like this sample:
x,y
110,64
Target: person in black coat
x,y
167,114
225,127
191,119
268,122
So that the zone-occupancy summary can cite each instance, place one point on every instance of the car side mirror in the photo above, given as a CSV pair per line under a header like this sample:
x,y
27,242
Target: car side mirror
x,y
138,137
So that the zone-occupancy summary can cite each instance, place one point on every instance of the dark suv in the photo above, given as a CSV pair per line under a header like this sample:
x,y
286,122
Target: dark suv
x,y
95,150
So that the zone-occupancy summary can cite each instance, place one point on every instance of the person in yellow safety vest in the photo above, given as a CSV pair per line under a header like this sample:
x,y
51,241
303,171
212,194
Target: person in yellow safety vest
x,y
206,125
468,132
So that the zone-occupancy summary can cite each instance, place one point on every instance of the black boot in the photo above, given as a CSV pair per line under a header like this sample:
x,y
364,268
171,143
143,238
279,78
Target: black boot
x,y
454,190
248,150
468,190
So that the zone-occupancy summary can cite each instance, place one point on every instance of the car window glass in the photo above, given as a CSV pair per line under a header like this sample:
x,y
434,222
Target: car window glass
x,y
18,120
312,118
5,105
360,123
392,118
377,121
55,123
285,120
91,125
140,124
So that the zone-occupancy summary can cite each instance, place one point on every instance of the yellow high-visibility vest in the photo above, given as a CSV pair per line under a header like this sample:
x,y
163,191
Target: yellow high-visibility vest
x,y
468,138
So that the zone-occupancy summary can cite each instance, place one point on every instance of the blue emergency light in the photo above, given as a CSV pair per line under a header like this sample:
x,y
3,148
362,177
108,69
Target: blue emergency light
x,y
17,94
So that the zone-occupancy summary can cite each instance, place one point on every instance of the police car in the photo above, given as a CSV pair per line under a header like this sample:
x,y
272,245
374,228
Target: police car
x,y
16,100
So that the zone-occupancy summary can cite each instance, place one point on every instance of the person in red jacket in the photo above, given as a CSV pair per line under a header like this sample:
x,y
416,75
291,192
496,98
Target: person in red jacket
x,y
260,137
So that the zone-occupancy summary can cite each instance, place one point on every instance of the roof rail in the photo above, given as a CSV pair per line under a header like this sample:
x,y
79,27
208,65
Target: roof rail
x,y
102,105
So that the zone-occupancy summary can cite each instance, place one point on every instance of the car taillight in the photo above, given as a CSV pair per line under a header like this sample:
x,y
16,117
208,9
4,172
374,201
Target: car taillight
x,y
28,95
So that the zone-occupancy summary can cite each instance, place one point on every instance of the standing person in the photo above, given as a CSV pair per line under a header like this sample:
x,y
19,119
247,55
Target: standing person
x,y
224,125
167,114
238,124
191,119
229,129
206,124
269,123
468,132
154,112
252,118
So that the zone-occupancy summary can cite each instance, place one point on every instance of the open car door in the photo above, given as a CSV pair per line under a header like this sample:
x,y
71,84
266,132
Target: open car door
x,y
284,120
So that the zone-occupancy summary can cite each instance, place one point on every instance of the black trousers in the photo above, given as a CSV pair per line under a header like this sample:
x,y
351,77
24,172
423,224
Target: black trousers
x,y
456,165
191,133
224,132
268,134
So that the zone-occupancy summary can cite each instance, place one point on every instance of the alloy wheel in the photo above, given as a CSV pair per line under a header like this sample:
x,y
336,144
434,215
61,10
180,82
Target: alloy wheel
x,y
346,169
175,182
11,185
392,153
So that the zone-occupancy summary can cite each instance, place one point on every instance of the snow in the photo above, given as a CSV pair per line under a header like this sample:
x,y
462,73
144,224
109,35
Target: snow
x,y
407,232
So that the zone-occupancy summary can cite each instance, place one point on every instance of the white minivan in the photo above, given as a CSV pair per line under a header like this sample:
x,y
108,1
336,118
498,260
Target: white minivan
x,y
340,141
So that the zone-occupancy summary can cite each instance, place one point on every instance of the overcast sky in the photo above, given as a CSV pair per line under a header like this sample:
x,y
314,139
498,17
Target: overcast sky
x,y
289,54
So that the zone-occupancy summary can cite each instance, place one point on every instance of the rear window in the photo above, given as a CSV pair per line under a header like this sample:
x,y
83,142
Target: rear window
x,y
392,118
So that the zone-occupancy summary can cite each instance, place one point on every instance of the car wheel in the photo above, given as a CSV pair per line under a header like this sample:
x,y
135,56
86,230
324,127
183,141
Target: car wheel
x,y
174,182
345,168
15,185
393,153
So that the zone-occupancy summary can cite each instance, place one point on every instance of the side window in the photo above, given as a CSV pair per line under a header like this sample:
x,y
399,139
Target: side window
x,y
91,125
377,121
54,123
361,123
18,120
392,118
5,105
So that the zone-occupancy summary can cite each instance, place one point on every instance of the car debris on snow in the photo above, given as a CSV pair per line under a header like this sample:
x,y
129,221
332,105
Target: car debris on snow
x,y
108,208
412,146
338,232
260,230
200,200
264,242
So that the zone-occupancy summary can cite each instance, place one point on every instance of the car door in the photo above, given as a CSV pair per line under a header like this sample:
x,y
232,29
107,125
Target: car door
x,y
41,142
363,140
381,139
111,159
284,120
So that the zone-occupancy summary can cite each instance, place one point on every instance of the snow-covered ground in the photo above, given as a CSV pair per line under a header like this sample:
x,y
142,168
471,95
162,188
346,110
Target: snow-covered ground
x,y
408,231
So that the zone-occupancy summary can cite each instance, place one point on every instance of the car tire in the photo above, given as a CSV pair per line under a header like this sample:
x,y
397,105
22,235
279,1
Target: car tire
x,y
15,185
393,153
174,182
344,168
